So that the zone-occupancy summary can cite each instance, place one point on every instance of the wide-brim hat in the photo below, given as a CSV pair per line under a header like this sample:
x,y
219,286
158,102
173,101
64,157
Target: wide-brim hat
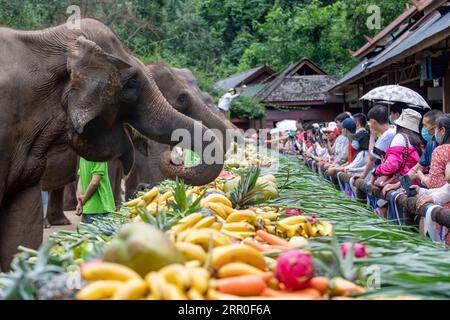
x,y
409,119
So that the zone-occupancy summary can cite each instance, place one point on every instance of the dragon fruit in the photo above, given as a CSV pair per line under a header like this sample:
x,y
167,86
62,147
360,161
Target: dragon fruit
x,y
294,269
360,250
293,212
312,219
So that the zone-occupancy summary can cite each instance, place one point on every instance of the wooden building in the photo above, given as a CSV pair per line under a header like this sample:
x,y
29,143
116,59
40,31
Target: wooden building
x,y
412,51
300,91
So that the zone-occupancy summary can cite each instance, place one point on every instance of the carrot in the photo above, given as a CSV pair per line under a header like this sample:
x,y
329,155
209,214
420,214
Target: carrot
x,y
267,276
271,239
259,239
320,284
255,245
248,285
304,294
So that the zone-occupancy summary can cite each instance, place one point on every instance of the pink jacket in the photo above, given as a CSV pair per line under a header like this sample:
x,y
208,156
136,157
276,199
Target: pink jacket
x,y
393,161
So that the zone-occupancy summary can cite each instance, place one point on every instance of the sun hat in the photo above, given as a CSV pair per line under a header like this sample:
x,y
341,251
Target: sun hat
x,y
409,119
332,126
349,124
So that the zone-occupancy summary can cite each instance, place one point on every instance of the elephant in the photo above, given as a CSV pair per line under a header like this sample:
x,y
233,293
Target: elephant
x,y
81,87
172,82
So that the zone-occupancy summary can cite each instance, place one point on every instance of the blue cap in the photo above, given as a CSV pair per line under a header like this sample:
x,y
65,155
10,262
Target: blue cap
x,y
349,124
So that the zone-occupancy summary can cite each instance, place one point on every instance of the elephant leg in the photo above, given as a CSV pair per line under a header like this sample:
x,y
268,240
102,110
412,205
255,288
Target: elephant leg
x,y
21,224
70,197
55,212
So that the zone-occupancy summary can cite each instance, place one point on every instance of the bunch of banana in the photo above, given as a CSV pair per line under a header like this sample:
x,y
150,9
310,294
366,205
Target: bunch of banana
x,y
148,199
203,237
240,224
224,255
307,227
219,204
111,281
178,282
318,229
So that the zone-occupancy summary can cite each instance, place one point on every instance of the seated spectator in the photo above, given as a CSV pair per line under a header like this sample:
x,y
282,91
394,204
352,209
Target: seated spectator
x,y
440,156
440,196
396,110
405,149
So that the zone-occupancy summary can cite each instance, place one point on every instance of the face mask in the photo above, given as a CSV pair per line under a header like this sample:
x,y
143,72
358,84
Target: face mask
x,y
426,135
390,120
355,145
438,139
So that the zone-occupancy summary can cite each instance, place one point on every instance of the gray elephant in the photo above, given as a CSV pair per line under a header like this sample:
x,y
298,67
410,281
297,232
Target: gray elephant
x,y
79,87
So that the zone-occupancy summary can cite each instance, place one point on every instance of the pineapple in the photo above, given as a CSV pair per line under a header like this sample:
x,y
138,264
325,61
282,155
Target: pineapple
x,y
61,287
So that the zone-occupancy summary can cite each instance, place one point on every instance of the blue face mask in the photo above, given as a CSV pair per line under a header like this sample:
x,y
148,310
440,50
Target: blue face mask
x,y
355,145
426,135
390,120
438,139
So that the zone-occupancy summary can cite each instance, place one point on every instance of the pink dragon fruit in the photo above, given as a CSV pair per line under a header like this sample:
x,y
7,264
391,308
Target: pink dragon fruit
x,y
293,212
312,219
294,269
360,250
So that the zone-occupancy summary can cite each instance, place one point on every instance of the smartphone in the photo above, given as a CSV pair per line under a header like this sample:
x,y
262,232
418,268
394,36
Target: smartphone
x,y
406,183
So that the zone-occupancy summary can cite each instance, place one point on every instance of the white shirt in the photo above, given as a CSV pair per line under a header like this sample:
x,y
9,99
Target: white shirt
x,y
359,163
225,101
384,141
440,195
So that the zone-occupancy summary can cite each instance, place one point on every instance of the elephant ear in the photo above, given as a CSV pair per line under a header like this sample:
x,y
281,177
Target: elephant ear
x,y
95,79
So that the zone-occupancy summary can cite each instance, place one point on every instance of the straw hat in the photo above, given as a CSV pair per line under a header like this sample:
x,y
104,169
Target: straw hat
x,y
409,119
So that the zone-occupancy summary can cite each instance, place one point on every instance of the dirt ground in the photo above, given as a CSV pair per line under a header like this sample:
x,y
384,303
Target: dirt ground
x,y
71,216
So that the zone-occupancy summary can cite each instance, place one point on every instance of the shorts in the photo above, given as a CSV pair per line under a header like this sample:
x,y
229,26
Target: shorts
x,y
90,217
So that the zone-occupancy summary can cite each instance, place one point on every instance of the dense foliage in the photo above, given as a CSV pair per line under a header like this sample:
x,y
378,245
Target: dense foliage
x,y
216,38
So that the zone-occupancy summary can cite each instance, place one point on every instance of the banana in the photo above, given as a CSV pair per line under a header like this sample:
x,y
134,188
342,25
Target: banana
x,y
218,209
271,229
240,235
188,221
272,216
176,274
237,253
216,226
192,264
141,204
165,196
204,236
200,279
152,207
107,271
294,220
327,228
206,222
282,227
234,269
193,294
238,226
172,292
148,196
133,202
228,210
242,215
217,198
99,290
156,284
191,251
133,289
310,230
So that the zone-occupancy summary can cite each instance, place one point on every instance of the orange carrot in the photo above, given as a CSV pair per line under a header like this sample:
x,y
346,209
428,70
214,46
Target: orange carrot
x,y
267,276
320,284
271,239
248,285
304,294
259,239
255,245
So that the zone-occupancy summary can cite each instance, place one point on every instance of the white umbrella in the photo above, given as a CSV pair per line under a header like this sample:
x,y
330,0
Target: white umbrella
x,y
395,93
287,125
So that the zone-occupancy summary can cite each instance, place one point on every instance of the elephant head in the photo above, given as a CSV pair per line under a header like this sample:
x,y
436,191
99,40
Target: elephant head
x,y
111,92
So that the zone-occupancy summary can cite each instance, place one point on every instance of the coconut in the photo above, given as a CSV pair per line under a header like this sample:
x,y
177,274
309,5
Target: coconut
x,y
294,269
142,248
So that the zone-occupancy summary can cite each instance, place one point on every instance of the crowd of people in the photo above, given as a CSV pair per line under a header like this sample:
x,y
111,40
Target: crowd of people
x,y
396,149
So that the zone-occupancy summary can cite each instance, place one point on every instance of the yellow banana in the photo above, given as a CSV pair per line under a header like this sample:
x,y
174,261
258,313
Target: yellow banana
x,y
133,289
272,216
282,227
235,269
218,209
152,207
240,235
191,251
172,292
206,222
238,226
149,195
99,290
326,228
228,210
176,274
165,196
107,271
193,294
237,253
192,264
188,221
270,229
156,284
217,198
204,236
216,226
294,220
133,202
310,229
242,215
199,279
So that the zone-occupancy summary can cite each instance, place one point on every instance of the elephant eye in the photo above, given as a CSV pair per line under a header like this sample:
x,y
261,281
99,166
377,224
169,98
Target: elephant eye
x,y
131,83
